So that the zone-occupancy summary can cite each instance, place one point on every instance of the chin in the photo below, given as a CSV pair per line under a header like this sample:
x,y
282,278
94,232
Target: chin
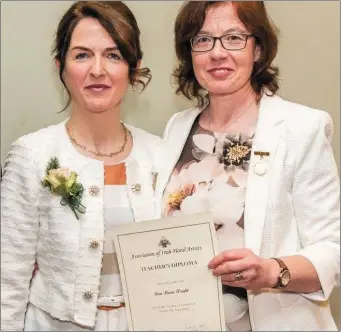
x,y
228,86
97,111
219,90
218,87
98,108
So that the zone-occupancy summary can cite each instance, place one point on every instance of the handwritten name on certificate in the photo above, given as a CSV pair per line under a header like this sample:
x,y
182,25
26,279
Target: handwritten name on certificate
x,y
166,283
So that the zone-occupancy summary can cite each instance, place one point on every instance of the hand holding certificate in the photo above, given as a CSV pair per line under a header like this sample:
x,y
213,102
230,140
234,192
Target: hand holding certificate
x,y
166,282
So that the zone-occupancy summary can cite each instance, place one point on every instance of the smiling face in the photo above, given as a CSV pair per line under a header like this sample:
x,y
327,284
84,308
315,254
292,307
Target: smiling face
x,y
95,72
222,71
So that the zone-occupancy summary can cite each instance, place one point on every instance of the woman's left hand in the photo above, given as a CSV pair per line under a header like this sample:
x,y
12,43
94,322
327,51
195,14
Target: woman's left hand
x,y
242,268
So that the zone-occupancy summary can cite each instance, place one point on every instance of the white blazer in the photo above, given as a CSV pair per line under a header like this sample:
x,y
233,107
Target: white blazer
x,y
293,209
35,226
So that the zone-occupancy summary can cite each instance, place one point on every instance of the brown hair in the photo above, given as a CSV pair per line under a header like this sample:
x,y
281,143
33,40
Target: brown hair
x,y
253,15
119,22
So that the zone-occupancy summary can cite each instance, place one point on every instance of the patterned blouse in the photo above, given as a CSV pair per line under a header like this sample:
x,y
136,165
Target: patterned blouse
x,y
211,175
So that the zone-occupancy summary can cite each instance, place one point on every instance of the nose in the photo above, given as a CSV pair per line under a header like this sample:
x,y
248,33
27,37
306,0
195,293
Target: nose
x,y
218,51
97,69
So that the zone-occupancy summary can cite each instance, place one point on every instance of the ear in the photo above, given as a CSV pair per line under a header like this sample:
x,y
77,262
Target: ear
x,y
57,63
138,66
257,53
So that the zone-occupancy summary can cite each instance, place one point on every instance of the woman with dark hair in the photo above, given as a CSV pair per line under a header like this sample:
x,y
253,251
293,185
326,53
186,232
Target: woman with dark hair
x,y
65,185
263,167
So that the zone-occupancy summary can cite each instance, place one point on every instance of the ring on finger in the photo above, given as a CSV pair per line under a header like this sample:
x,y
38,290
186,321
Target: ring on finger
x,y
239,276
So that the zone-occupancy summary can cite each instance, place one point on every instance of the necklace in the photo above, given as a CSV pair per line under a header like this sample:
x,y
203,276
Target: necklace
x,y
99,154
228,126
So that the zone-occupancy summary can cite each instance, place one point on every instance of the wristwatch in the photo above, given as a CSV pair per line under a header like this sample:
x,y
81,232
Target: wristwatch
x,y
284,275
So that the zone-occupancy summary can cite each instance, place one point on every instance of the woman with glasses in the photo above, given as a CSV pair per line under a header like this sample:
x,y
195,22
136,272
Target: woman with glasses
x,y
263,167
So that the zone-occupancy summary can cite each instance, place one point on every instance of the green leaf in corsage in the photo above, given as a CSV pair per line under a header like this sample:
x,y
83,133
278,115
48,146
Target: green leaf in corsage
x,y
62,182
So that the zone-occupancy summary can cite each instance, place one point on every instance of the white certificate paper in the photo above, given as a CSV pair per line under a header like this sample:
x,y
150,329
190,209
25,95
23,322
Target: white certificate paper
x,y
167,285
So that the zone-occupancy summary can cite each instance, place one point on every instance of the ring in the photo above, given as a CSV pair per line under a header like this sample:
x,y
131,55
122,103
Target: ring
x,y
239,276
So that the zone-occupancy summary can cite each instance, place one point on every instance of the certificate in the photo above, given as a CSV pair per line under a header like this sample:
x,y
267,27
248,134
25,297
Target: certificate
x,y
166,283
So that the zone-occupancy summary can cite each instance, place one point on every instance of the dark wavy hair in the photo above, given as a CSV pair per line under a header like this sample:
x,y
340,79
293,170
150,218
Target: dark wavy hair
x,y
119,22
253,15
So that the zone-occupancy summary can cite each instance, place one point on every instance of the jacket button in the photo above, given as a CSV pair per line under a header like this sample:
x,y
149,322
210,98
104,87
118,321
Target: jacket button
x,y
93,244
136,187
88,294
93,190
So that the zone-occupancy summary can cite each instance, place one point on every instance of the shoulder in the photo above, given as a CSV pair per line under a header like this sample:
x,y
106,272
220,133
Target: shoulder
x,y
148,139
298,113
36,145
302,120
184,119
185,114
28,153
41,139
148,147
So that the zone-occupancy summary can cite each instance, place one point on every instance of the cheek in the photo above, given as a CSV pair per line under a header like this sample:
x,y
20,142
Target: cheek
x,y
75,76
244,62
199,66
118,75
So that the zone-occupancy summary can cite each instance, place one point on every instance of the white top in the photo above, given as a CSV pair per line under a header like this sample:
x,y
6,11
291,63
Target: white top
x,y
117,211
35,226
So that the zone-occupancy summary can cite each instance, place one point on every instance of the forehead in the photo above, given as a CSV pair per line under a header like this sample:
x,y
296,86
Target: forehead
x,y
89,32
221,18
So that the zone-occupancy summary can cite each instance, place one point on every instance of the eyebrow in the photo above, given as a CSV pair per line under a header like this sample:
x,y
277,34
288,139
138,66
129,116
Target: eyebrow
x,y
108,49
225,32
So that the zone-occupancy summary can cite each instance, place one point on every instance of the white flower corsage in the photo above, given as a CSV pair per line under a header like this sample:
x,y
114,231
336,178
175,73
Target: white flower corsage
x,y
62,182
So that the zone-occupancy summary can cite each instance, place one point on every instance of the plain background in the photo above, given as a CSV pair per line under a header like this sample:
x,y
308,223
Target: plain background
x,y
31,95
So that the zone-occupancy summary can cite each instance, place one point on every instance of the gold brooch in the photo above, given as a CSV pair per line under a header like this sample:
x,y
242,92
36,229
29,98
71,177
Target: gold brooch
x,y
261,153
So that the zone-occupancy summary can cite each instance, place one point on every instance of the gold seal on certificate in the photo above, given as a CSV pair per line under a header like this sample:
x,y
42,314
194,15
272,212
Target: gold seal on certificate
x,y
166,283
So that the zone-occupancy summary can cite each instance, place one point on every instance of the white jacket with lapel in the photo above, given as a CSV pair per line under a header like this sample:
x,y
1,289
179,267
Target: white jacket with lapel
x,y
294,208
35,226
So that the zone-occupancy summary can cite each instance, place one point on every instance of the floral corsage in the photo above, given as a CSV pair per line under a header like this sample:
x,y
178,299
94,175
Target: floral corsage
x,y
62,182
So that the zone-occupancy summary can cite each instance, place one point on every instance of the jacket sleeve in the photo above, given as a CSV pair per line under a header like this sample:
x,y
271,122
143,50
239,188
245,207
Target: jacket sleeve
x,y
19,233
316,199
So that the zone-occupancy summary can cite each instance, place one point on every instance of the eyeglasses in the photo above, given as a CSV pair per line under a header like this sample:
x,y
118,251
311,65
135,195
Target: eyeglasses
x,y
230,42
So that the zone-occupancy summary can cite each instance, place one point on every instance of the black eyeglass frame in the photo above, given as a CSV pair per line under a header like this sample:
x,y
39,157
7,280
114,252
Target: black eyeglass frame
x,y
221,43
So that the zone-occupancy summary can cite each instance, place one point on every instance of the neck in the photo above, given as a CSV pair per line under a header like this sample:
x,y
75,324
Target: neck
x,y
97,131
224,109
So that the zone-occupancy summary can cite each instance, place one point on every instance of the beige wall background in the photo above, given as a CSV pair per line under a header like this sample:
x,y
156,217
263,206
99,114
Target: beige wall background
x,y
31,96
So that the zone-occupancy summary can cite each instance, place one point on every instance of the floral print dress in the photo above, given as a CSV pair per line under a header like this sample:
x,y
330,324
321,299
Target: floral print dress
x,y
211,175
